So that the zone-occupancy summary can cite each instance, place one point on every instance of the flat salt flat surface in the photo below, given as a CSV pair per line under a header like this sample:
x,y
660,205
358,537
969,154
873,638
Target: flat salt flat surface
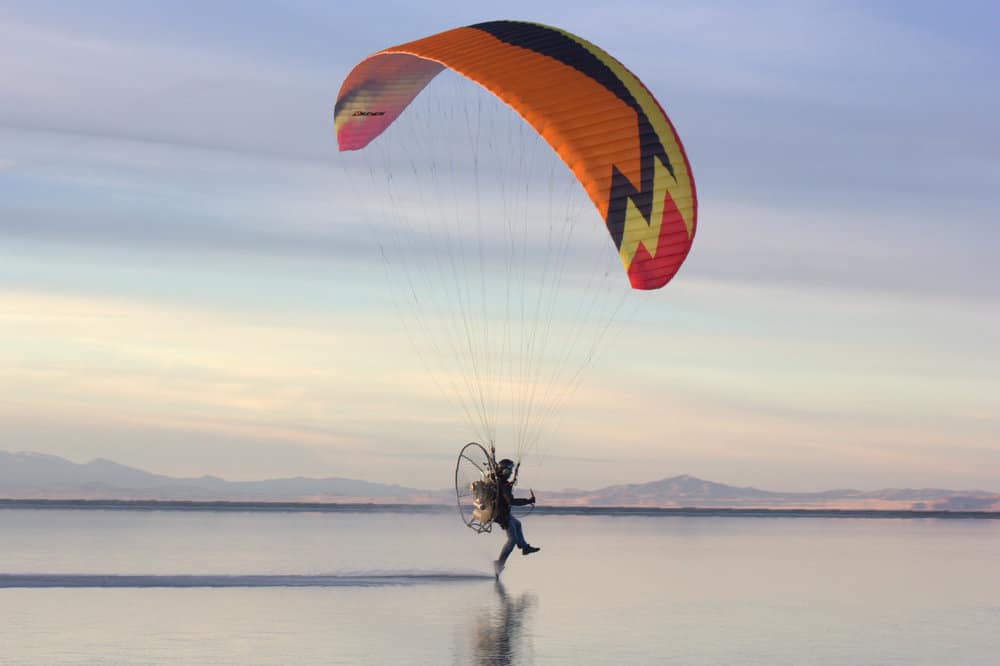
x,y
196,587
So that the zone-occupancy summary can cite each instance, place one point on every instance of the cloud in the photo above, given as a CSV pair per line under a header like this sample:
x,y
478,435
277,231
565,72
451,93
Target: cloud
x,y
81,82
882,248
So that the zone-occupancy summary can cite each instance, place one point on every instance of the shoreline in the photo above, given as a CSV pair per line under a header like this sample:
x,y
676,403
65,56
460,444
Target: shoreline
x,y
252,506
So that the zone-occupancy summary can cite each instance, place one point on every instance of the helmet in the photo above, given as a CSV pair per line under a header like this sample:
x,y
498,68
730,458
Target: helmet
x,y
505,468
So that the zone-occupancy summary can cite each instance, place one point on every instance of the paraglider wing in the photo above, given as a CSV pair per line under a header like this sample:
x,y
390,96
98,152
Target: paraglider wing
x,y
595,114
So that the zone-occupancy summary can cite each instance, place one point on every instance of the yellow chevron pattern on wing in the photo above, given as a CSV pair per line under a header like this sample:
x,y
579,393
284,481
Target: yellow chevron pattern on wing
x,y
680,189
639,230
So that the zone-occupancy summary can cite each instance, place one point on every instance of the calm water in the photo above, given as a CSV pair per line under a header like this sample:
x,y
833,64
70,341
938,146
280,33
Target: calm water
x,y
349,588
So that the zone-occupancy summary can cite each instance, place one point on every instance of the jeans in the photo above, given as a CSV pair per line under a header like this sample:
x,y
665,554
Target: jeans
x,y
515,537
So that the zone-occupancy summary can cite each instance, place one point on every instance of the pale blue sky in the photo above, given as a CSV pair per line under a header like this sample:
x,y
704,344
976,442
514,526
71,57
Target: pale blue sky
x,y
179,290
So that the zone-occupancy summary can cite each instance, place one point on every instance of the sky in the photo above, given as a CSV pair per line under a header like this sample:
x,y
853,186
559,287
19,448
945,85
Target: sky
x,y
182,288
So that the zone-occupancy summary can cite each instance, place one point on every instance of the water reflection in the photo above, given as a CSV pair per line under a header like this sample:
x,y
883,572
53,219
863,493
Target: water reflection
x,y
499,634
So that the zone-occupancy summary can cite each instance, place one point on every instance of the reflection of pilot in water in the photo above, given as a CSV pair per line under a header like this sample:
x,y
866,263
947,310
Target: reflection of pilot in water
x,y
499,632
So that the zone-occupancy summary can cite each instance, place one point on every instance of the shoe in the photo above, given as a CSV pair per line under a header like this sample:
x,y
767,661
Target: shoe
x,y
497,567
528,550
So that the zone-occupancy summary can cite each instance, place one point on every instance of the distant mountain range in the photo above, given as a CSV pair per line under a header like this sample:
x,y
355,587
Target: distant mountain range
x,y
40,476
689,491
